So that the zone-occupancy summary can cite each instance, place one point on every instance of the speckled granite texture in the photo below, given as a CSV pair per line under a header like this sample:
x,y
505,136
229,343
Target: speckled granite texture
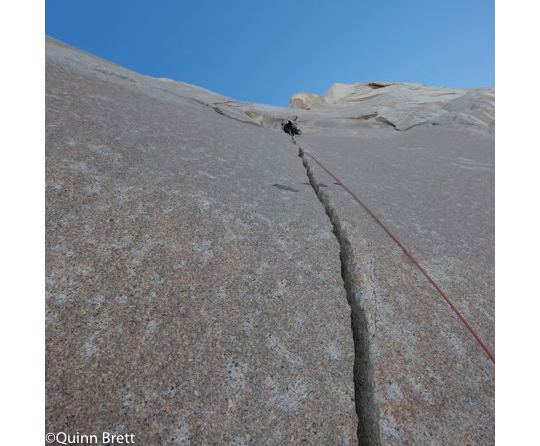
x,y
194,284
433,383
189,300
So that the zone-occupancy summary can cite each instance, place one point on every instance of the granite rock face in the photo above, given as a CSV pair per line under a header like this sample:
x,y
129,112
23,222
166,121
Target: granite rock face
x,y
305,100
198,292
402,105
193,283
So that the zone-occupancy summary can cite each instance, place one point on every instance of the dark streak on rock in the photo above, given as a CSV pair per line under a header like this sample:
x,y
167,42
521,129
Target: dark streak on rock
x,y
280,186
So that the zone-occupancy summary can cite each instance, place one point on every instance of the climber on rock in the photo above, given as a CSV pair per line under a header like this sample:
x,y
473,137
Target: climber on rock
x,y
290,127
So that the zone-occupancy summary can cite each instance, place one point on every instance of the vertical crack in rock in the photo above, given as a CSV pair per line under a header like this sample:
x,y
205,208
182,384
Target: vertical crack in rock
x,y
368,426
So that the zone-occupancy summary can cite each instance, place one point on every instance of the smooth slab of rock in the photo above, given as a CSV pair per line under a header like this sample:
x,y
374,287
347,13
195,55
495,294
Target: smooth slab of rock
x,y
194,279
431,381
190,300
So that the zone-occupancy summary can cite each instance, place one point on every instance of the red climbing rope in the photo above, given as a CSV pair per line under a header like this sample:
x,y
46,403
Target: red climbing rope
x,y
409,255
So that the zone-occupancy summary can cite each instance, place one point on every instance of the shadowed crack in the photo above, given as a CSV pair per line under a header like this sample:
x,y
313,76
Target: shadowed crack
x,y
368,429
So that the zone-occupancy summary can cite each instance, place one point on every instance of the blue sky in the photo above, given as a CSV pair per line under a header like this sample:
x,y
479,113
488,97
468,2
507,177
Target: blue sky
x,y
263,51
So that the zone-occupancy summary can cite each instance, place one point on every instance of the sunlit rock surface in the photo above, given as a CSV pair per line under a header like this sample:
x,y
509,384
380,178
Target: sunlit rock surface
x,y
194,280
305,100
402,105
